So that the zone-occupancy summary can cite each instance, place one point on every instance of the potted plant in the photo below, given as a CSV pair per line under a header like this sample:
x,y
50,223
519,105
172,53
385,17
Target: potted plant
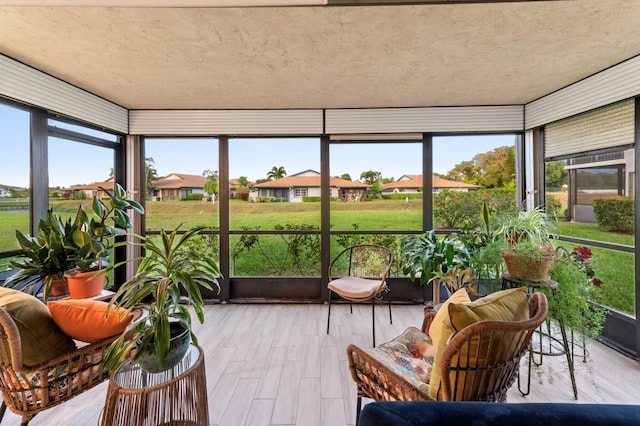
x,y
94,238
48,255
63,251
168,274
428,257
576,285
529,254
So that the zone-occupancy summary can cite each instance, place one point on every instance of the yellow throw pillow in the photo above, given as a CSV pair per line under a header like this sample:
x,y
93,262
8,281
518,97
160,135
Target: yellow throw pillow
x,y
505,305
435,330
86,320
40,337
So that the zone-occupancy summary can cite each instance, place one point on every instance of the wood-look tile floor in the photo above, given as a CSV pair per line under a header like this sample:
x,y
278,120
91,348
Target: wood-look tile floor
x,y
275,365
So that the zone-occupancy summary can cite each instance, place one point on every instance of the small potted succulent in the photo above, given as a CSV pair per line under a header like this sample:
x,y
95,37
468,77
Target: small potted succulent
x,y
168,275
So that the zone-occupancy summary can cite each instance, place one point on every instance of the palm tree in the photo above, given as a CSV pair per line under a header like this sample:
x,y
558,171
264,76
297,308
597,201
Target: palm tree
x,y
243,182
151,175
276,173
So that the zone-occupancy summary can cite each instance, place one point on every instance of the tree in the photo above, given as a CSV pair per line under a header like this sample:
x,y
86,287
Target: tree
x,y
243,182
466,171
345,176
369,177
555,175
211,185
497,167
151,175
276,173
388,180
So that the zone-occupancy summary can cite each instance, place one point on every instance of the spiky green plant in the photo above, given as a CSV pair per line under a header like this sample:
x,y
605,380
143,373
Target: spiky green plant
x,y
169,275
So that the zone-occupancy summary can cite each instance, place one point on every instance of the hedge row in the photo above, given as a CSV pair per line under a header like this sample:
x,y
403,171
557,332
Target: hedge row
x,y
401,196
614,213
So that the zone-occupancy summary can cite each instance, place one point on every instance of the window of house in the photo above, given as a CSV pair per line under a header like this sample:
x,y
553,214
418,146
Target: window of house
x,y
300,192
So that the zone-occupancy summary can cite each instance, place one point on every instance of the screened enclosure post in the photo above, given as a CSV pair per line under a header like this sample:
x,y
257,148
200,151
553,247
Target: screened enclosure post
x,y
427,182
325,218
223,209
636,218
39,168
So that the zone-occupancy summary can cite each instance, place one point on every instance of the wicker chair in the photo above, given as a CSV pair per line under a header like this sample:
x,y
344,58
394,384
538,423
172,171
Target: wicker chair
x,y
23,389
472,367
363,270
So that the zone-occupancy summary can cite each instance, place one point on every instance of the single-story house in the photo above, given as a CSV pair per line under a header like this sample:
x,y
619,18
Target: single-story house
x,y
7,190
234,184
177,186
413,184
307,183
90,190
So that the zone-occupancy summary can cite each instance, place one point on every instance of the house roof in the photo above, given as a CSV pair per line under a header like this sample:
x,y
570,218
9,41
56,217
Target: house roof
x,y
415,181
94,186
187,54
309,182
179,181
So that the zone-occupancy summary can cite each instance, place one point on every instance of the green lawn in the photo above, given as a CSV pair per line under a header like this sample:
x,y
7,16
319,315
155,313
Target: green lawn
x,y
286,255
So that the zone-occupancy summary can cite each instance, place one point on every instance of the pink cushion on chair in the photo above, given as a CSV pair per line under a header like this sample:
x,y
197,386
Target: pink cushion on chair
x,y
354,287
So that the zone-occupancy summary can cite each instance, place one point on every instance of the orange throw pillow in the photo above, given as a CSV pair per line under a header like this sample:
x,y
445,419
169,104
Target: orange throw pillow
x,y
86,320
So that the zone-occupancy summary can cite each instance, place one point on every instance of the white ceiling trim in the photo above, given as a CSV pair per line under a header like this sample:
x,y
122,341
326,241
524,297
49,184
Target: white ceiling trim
x,y
163,3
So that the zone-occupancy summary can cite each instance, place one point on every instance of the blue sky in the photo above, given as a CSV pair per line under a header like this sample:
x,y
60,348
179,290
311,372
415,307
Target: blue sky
x,y
72,163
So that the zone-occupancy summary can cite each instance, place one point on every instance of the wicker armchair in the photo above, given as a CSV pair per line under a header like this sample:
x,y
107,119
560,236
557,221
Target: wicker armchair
x,y
479,363
30,390
358,274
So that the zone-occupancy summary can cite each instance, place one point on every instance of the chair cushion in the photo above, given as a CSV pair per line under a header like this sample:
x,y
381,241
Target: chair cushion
x,y
435,330
505,305
40,337
86,320
409,355
354,287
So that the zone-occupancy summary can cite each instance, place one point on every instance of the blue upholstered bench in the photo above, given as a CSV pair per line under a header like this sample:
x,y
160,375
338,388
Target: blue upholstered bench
x,y
431,413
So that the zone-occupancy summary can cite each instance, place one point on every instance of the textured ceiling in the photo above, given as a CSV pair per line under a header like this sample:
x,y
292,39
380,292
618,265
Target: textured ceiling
x,y
323,57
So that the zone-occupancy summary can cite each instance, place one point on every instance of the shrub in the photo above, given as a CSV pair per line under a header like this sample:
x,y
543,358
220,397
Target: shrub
x,y
402,196
311,199
552,207
193,197
265,199
614,213
453,209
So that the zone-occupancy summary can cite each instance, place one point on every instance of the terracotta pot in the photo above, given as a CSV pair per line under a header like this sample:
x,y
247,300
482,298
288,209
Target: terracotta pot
x,y
527,267
83,285
59,287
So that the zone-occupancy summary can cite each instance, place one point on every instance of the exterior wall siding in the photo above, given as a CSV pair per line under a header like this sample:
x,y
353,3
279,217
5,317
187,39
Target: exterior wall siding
x,y
606,127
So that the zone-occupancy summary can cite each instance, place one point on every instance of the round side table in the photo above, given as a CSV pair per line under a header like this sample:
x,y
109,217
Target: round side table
x,y
509,281
177,396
